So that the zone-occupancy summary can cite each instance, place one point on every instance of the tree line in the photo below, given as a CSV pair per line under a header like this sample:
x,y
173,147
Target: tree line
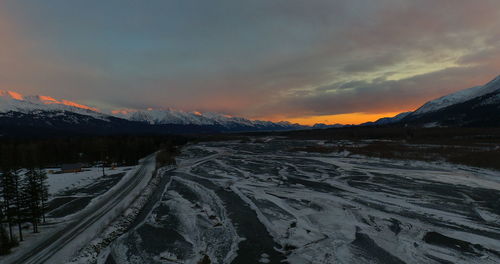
x,y
124,150
24,195
23,181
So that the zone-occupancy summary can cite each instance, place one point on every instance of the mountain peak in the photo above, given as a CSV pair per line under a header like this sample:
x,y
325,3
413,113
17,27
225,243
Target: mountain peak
x,y
179,117
19,101
47,100
11,95
459,97
493,85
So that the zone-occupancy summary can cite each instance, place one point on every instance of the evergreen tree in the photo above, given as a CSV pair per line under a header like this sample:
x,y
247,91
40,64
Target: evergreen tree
x,y
8,195
32,193
41,177
5,242
18,201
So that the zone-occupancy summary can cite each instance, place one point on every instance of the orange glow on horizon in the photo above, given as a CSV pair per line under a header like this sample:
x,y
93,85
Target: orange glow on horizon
x,y
346,119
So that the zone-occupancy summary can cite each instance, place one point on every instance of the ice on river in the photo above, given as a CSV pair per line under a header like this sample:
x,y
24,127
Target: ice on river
x,y
317,208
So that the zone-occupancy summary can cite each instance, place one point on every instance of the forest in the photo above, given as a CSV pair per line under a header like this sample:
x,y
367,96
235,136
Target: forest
x,y
23,180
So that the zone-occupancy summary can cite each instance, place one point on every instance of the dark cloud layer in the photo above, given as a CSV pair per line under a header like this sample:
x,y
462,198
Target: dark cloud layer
x,y
252,58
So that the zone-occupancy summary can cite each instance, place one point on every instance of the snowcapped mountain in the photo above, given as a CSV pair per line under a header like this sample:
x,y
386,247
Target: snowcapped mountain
x,y
459,97
477,106
170,116
46,116
38,104
38,114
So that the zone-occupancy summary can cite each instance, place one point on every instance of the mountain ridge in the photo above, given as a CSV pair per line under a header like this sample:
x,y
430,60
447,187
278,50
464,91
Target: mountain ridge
x,y
171,116
18,111
19,114
476,106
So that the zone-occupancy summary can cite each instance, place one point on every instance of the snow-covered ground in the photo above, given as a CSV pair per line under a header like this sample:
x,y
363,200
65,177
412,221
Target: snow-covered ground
x,y
260,203
67,181
70,193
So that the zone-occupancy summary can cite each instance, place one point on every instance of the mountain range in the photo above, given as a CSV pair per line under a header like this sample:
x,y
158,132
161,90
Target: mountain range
x,y
474,107
225,122
28,115
43,115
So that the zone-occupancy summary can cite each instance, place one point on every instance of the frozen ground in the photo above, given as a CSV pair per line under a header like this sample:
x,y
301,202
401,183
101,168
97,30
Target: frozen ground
x,y
260,203
70,193
66,181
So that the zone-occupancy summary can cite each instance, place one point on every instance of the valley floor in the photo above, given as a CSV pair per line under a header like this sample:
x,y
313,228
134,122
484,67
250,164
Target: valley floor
x,y
259,202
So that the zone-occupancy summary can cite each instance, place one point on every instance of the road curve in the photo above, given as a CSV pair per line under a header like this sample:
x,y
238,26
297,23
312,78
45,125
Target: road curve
x,y
47,250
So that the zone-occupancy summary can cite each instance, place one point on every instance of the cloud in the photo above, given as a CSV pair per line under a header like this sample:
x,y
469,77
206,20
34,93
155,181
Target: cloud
x,y
380,95
251,58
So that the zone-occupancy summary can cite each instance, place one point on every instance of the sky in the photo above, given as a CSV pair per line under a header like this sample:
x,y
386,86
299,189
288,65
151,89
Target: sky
x,y
344,61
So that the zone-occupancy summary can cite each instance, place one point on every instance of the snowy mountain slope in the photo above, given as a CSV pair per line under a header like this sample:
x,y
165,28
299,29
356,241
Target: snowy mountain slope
x,y
37,114
46,116
37,104
170,116
477,106
459,97
482,111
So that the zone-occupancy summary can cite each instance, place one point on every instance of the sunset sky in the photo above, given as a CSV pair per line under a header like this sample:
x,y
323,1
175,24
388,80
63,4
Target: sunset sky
x,y
303,61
